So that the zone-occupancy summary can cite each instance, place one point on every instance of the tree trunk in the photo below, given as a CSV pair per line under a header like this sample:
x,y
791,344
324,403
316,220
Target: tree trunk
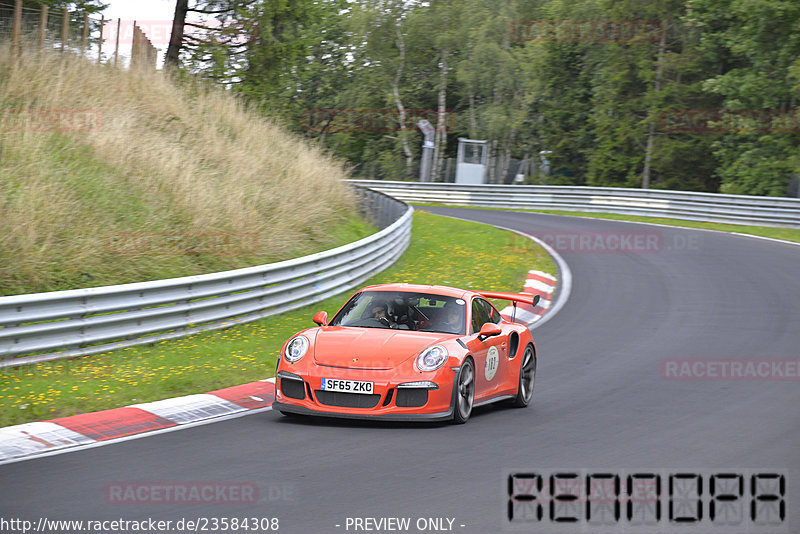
x,y
441,121
401,110
176,39
651,132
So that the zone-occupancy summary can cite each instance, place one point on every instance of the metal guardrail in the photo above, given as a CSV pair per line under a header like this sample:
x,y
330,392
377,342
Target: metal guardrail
x,y
65,324
707,207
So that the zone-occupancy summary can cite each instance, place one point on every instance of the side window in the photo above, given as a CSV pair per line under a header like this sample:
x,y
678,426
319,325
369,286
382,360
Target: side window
x,y
481,314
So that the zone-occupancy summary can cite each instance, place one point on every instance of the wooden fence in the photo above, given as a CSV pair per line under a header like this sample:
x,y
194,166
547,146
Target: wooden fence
x,y
71,31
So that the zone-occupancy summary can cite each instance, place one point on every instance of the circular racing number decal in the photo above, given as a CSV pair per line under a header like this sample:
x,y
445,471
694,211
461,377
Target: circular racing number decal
x,y
492,361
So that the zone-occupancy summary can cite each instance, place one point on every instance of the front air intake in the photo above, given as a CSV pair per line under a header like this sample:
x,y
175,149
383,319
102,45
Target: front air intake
x,y
293,389
347,400
411,397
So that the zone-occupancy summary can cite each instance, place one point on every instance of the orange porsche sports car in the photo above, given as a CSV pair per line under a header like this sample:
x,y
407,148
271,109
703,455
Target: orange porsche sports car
x,y
408,352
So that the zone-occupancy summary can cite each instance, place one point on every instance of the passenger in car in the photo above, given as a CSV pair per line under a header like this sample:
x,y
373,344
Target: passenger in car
x,y
449,319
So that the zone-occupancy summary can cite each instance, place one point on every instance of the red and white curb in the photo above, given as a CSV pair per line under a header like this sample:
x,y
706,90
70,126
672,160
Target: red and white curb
x,y
537,283
20,441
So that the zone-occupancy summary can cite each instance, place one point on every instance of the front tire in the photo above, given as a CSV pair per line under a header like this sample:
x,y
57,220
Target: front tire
x,y
465,393
527,379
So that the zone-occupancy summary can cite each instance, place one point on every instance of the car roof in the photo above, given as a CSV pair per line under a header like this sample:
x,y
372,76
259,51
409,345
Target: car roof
x,y
445,291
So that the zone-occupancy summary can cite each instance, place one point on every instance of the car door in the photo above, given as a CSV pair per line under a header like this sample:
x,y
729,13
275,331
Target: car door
x,y
490,354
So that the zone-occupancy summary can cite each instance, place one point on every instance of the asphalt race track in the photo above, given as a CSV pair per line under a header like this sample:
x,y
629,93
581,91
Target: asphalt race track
x,y
602,402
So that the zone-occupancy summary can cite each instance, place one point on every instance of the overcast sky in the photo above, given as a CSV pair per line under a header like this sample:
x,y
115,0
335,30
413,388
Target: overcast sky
x,y
140,9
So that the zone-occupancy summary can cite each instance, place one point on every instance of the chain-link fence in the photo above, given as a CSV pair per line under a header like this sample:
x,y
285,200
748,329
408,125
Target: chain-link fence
x,y
29,20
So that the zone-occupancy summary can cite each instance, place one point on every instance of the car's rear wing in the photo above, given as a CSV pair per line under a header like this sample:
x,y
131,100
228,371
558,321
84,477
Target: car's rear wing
x,y
526,298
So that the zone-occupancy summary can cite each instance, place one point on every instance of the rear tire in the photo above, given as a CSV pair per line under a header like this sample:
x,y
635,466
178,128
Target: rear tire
x,y
527,379
465,393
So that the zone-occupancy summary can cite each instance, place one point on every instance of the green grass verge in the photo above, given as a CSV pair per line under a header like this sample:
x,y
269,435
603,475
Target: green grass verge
x,y
442,251
788,234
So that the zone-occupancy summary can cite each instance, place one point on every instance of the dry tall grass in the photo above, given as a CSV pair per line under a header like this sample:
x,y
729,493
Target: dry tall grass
x,y
166,158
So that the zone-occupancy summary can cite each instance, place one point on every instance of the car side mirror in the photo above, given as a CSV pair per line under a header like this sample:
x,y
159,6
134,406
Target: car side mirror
x,y
535,300
489,330
321,318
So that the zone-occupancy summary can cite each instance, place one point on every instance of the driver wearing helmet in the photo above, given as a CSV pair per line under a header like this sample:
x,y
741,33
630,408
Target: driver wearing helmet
x,y
380,311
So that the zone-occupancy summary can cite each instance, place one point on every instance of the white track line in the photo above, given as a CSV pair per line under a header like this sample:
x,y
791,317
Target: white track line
x,y
674,226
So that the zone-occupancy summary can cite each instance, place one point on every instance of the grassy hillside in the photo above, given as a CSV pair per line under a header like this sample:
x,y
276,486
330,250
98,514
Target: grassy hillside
x,y
111,176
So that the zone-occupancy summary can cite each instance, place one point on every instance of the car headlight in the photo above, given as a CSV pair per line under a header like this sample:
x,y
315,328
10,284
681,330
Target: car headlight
x,y
296,349
432,358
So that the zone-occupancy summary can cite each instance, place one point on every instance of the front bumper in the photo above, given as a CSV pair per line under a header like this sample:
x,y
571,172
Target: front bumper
x,y
299,392
302,410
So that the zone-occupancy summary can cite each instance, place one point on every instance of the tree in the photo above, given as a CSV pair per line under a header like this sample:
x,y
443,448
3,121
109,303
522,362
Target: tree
x,y
381,24
435,31
756,43
558,77
492,82
83,6
222,28
172,58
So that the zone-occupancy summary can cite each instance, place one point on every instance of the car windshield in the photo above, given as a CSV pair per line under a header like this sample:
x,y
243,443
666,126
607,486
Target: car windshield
x,y
422,312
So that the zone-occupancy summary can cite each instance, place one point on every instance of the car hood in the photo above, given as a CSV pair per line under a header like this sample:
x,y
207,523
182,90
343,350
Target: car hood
x,y
370,348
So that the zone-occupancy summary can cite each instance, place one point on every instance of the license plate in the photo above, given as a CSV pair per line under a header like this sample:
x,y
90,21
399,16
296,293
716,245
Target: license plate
x,y
346,386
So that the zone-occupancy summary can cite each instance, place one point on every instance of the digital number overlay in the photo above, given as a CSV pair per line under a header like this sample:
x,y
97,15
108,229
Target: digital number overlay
x,y
646,500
